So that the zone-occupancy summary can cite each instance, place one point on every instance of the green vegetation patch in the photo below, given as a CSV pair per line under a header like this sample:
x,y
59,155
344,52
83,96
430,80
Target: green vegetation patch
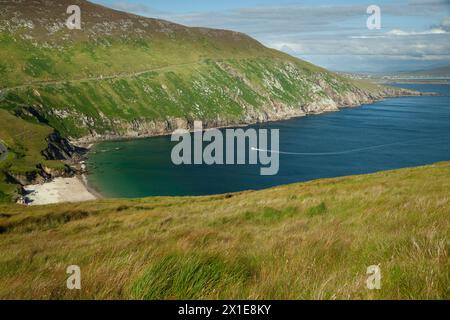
x,y
317,210
195,276
268,214
36,66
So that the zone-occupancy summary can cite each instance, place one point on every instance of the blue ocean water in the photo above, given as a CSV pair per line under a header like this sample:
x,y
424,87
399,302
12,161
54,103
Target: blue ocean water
x,y
411,131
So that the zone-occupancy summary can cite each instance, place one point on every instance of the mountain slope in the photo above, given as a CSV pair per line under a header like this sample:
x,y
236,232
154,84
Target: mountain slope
x,y
435,72
125,75
41,47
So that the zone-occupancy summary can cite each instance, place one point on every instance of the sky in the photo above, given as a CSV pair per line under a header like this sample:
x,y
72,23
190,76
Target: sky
x,y
414,34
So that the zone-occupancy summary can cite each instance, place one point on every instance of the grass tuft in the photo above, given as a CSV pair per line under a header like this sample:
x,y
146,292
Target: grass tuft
x,y
268,214
195,276
317,210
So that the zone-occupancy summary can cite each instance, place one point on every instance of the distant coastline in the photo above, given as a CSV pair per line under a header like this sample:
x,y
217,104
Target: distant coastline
x,y
415,81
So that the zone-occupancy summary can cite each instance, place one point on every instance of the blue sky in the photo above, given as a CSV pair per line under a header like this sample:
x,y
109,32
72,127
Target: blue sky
x,y
415,34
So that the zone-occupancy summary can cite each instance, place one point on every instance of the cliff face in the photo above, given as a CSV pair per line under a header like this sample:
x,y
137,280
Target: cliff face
x,y
60,148
272,111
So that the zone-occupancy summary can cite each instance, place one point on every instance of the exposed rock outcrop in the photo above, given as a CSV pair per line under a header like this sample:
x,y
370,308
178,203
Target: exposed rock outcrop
x,y
60,148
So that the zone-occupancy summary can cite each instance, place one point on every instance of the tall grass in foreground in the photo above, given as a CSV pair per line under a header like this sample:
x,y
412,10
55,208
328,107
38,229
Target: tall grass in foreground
x,y
303,241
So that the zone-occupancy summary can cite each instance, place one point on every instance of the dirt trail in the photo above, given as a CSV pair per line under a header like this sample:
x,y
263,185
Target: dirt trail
x,y
99,78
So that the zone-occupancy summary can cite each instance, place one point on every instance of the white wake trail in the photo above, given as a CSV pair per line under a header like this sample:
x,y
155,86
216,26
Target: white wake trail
x,y
337,152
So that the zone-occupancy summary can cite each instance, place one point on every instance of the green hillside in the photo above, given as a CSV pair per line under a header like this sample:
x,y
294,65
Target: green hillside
x,y
310,240
127,75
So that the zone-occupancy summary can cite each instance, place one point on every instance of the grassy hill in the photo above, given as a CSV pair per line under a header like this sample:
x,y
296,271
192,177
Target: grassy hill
x,y
301,241
128,75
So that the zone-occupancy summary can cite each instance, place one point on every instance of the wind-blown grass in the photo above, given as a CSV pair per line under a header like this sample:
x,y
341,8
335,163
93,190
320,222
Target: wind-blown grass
x,y
310,240
191,276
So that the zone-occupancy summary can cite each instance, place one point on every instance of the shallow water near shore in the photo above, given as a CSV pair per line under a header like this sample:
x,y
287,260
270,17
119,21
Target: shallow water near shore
x,y
408,131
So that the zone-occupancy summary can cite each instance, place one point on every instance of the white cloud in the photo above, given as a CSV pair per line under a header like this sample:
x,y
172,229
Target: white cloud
x,y
398,32
367,37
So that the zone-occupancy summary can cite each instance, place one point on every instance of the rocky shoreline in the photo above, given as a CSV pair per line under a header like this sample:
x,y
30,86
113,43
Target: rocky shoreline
x,y
141,128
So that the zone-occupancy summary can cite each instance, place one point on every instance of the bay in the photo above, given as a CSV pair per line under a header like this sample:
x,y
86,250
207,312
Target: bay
x,y
410,131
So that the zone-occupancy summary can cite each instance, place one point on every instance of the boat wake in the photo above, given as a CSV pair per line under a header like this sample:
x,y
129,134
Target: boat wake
x,y
346,151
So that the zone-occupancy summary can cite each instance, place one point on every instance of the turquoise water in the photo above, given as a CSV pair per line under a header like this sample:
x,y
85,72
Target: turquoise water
x,y
411,130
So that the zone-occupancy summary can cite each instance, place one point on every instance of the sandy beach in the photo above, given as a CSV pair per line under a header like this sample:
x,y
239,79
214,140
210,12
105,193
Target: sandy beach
x,y
59,190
